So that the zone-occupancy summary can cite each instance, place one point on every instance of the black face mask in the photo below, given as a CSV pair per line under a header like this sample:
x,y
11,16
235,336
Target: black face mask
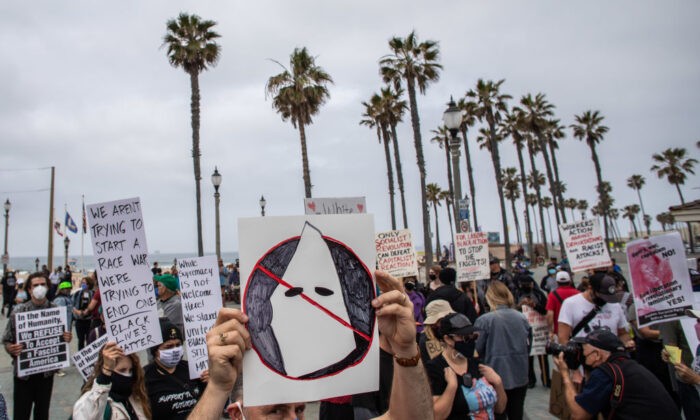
x,y
526,289
432,276
121,386
466,348
598,300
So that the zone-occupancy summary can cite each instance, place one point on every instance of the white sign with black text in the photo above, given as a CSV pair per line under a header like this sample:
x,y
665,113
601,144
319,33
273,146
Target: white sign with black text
x,y
41,333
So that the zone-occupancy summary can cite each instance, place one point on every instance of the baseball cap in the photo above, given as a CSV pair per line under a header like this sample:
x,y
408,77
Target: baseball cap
x,y
168,331
494,260
65,285
436,310
456,324
563,277
604,285
603,339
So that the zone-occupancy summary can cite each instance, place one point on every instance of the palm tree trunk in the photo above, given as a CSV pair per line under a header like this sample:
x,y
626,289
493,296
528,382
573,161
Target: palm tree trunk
x,y
549,222
537,233
417,142
680,194
523,182
467,156
517,224
644,214
634,227
599,176
556,177
449,218
496,158
399,173
390,175
305,161
194,105
552,188
437,231
539,201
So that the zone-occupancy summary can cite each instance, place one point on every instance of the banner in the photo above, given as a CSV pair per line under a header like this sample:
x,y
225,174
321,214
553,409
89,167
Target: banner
x,y
660,279
472,256
41,332
540,330
395,253
201,300
85,359
124,275
341,205
585,245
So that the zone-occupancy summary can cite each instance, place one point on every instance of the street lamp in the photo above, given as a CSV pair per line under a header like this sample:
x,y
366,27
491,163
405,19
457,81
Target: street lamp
x,y
66,242
262,205
36,264
5,255
452,118
216,180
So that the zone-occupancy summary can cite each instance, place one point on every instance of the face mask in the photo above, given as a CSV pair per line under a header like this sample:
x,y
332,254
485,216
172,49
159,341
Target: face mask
x,y
121,384
526,288
598,300
552,271
170,357
432,276
83,286
465,348
39,292
697,330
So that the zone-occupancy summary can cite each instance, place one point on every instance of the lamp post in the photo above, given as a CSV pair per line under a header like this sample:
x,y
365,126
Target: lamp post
x,y
36,264
452,118
262,205
66,242
216,180
5,255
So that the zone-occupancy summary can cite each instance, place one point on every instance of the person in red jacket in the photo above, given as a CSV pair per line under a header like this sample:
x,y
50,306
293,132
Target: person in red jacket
x,y
565,288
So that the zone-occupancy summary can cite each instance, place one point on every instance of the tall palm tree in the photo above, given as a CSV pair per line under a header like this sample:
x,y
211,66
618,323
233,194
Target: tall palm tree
x,y
442,139
614,214
630,212
532,149
433,192
447,197
589,128
582,206
192,46
546,204
636,182
554,133
491,108
297,94
469,111
511,190
394,108
665,218
415,64
372,117
531,200
571,204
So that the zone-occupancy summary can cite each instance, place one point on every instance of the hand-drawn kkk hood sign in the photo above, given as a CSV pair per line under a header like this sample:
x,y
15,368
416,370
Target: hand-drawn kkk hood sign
x,y
329,299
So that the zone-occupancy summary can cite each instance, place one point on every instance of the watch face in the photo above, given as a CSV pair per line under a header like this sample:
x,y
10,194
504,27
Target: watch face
x,y
307,292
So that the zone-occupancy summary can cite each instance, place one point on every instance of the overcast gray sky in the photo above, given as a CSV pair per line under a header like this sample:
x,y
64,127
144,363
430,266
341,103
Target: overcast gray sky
x,y
85,87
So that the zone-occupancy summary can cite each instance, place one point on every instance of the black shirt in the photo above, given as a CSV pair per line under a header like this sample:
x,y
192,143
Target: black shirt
x,y
174,395
435,369
458,300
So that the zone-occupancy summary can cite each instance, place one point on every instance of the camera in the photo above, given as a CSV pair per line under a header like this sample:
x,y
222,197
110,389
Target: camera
x,y
573,352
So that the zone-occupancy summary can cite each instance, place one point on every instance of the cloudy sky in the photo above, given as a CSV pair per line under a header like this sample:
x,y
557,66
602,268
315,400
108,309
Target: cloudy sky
x,y
86,87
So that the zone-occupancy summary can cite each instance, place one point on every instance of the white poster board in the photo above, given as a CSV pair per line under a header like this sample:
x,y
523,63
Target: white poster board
x,y
123,274
396,254
85,359
41,333
307,286
201,300
660,280
340,205
585,245
540,330
472,256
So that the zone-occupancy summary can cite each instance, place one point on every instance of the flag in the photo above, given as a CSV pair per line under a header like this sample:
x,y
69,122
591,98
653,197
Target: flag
x,y
84,218
58,226
70,224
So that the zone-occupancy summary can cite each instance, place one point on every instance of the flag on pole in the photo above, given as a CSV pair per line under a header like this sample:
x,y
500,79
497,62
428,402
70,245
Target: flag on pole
x,y
84,217
70,224
58,226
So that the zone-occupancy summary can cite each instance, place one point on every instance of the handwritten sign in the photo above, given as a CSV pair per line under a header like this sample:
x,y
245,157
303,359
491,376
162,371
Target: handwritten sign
x,y
124,275
85,359
660,279
540,330
472,256
585,245
201,301
342,205
41,333
395,253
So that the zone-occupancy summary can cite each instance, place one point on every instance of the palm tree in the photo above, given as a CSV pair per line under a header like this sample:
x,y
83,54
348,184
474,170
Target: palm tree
x,y
491,108
590,130
546,204
394,109
531,200
511,190
636,182
571,204
416,64
192,46
469,111
442,139
555,132
297,94
532,149
447,197
630,212
433,192
614,214
582,206
665,218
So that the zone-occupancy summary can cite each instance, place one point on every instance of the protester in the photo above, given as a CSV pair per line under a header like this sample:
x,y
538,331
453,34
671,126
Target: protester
x,y
429,342
156,270
62,298
229,339
549,282
223,279
55,278
461,386
504,344
115,390
171,392
556,298
418,301
433,281
528,294
234,283
21,295
447,291
497,273
93,307
672,335
583,286
618,387
32,390
81,300
9,284
169,302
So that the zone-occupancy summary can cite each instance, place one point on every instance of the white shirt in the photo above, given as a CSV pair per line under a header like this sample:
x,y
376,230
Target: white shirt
x,y
54,278
576,307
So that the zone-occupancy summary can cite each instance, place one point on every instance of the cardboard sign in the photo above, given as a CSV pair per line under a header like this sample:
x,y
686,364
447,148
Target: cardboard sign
x,y
585,245
124,275
85,359
540,330
201,300
396,254
472,256
307,286
41,332
341,205
660,279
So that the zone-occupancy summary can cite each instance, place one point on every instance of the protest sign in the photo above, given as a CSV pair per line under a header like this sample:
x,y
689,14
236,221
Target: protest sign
x,y
124,275
396,254
660,280
307,288
585,245
472,256
340,205
41,332
85,359
201,300
540,330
